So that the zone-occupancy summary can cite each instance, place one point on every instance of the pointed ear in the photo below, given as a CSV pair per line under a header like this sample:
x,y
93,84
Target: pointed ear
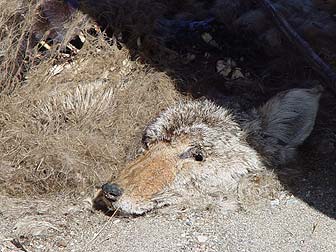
x,y
289,117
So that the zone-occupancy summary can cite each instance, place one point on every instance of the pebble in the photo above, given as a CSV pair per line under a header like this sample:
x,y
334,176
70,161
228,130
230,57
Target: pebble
x,y
237,74
275,203
292,201
202,238
206,37
188,222
223,68
228,66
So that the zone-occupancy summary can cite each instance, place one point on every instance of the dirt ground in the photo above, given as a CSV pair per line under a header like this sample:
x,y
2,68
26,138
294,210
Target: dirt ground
x,y
54,150
64,224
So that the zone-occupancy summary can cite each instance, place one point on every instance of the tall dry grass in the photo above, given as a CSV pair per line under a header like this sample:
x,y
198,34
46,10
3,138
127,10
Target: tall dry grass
x,y
16,20
68,125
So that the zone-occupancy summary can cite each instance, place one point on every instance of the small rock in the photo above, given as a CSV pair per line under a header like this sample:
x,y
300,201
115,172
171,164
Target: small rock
x,y
202,238
188,222
275,203
206,37
116,221
229,67
237,74
292,201
223,68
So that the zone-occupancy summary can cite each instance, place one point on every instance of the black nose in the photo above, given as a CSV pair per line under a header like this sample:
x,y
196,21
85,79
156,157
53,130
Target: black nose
x,y
111,191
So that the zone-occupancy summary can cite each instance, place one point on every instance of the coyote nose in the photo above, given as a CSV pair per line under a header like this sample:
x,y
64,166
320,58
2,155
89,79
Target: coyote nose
x,y
111,191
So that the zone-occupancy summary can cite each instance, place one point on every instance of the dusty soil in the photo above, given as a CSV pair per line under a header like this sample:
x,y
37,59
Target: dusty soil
x,y
64,224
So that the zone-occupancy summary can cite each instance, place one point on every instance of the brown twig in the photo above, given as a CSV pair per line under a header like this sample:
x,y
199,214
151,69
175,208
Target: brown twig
x,y
318,64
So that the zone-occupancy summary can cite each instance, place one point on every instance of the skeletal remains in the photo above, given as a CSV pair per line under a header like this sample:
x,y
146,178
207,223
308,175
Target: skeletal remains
x,y
198,149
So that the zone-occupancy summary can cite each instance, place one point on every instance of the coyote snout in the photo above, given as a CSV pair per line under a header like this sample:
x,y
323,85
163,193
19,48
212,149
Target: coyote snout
x,y
198,149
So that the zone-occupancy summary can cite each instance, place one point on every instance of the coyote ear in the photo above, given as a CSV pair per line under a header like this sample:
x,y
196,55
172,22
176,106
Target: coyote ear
x,y
289,117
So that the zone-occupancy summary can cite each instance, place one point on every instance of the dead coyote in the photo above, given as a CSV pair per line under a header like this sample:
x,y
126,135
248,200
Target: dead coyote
x,y
197,149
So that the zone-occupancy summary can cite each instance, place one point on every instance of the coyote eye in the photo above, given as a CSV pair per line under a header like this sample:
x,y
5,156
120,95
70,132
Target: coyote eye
x,y
198,156
195,153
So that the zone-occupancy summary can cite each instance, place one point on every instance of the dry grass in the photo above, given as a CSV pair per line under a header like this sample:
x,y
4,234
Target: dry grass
x,y
16,19
68,126
22,26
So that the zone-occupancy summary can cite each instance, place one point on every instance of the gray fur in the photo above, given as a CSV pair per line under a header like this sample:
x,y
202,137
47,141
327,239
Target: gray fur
x,y
231,146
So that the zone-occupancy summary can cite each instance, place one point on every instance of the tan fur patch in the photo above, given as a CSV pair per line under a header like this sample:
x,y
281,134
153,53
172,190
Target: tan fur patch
x,y
150,173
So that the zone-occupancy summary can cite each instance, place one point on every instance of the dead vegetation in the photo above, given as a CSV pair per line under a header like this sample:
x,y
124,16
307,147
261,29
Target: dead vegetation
x,y
68,124
15,22
24,31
